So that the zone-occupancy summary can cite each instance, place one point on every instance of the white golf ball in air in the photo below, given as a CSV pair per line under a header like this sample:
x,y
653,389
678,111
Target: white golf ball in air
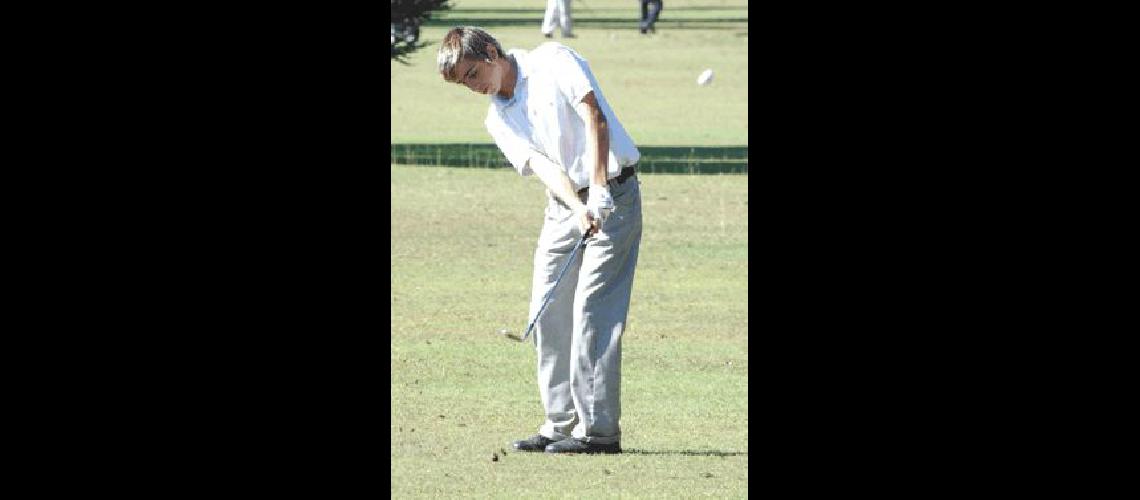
x,y
705,78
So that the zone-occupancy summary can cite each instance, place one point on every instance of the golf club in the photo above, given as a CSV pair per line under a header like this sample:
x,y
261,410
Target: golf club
x,y
550,293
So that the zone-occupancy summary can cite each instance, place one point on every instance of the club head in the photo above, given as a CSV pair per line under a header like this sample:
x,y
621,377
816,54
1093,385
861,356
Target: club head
x,y
512,336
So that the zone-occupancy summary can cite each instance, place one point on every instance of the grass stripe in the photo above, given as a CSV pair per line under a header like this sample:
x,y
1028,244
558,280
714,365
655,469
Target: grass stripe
x,y
654,159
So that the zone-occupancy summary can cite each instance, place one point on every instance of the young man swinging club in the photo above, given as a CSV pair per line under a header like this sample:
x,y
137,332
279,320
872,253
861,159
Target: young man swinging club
x,y
549,118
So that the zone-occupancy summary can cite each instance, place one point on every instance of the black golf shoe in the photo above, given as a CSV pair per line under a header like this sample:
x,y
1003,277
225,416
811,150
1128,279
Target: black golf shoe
x,y
573,445
537,442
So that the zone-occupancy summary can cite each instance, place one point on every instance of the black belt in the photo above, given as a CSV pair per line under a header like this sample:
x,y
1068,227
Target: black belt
x,y
625,174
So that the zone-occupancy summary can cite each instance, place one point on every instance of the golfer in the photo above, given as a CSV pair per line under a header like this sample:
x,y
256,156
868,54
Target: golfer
x,y
549,118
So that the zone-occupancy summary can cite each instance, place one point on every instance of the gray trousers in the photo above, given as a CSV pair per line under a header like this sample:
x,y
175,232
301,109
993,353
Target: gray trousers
x,y
578,337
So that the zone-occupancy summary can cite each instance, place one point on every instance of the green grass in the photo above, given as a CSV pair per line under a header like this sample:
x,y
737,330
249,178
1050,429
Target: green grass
x,y
461,244
650,80
654,159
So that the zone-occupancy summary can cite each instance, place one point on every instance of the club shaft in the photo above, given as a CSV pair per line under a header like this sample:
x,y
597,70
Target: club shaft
x,y
550,293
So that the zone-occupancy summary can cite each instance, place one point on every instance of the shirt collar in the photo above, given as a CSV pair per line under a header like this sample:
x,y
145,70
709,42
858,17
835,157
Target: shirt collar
x,y
523,71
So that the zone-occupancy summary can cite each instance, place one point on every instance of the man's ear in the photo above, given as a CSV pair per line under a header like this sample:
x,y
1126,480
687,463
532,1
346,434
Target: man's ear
x,y
492,52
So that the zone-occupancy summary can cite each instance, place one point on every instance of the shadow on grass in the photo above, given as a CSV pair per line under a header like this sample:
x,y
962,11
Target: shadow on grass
x,y
674,17
691,453
597,22
581,10
654,159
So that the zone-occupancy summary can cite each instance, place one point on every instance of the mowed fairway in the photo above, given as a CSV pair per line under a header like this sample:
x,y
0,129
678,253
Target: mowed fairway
x,y
461,244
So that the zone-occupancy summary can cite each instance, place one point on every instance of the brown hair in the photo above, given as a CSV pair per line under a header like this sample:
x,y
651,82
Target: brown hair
x,y
464,42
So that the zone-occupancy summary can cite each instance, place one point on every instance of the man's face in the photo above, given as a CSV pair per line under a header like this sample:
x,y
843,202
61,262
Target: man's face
x,y
479,75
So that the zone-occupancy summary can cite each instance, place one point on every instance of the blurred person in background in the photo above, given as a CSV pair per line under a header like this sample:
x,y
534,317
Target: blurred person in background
x,y
557,12
650,9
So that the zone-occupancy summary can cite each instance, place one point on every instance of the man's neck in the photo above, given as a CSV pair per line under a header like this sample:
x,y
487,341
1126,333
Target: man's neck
x,y
512,77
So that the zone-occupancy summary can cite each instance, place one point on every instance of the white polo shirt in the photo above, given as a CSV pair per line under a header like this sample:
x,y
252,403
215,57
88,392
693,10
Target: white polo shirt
x,y
540,116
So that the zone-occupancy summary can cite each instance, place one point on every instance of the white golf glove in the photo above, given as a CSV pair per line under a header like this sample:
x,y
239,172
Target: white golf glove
x,y
600,204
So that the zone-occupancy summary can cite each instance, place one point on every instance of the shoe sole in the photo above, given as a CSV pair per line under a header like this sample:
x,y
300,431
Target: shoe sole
x,y
587,452
516,447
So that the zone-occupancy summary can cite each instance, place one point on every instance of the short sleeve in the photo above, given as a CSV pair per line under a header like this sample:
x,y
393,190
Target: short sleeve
x,y
573,75
515,148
